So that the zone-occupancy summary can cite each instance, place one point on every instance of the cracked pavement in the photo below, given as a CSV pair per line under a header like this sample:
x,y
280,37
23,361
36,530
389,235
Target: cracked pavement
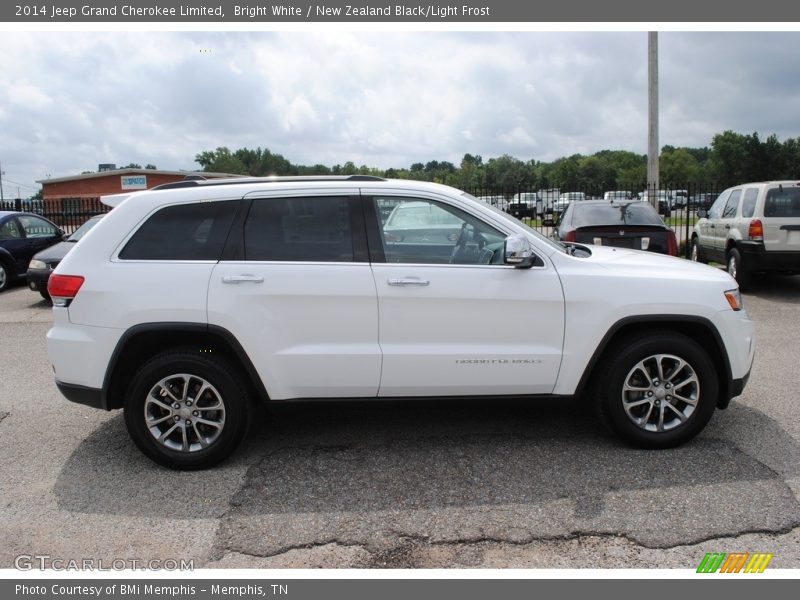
x,y
416,484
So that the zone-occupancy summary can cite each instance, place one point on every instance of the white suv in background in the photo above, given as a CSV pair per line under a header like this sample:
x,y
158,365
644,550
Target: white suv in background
x,y
191,300
751,228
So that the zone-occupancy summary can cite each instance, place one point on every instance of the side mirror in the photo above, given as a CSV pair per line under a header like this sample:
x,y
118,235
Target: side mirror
x,y
518,252
702,213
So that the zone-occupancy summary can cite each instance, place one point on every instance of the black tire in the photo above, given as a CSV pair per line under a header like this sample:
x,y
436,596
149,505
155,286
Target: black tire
x,y
46,297
737,269
183,373
627,359
5,276
696,251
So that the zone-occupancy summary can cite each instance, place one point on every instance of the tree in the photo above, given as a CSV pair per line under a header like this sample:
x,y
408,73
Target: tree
x,y
220,161
150,166
132,166
678,167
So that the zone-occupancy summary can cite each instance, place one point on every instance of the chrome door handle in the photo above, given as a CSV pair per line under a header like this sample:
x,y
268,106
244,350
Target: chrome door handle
x,y
408,281
242,279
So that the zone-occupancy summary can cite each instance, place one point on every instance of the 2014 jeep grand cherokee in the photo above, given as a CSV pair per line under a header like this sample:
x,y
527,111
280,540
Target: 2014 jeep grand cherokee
x,y
192,300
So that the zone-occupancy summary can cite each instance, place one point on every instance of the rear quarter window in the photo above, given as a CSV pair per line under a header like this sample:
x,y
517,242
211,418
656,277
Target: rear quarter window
x,y
184,232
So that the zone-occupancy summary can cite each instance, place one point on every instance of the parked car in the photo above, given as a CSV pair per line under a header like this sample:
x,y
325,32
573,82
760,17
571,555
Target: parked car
x,y
632,224
680,198
190,300
702,201
665,201
421,223
43,263
525,205
618,196
565,199
21,236
753,227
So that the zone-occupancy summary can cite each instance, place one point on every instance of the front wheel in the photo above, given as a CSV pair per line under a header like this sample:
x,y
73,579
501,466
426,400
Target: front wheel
x,y
5,276
696,253
657,390
187,410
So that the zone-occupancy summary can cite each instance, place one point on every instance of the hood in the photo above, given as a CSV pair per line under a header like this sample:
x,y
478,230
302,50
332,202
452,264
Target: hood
x,y
56,252
649,263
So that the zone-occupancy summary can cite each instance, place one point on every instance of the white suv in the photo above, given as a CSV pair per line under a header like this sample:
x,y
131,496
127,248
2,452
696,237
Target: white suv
x,y
191,300
750,228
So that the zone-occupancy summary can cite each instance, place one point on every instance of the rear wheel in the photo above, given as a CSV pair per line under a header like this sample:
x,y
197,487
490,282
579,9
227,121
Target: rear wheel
x,y
187,410
657,390
736,268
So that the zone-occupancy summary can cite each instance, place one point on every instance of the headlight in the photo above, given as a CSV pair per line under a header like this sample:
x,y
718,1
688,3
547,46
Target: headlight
x,y
734,298
37,264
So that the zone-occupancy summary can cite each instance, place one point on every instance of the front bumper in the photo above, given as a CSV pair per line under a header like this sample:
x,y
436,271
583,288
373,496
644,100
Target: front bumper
x,y
81,394
38,278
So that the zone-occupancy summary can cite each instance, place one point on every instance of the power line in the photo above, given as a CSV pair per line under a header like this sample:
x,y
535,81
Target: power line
x,y
21,184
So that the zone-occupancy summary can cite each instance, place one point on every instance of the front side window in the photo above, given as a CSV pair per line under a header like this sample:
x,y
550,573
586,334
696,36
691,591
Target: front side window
x,y
715,212
732,205
184,232
313,229
421,231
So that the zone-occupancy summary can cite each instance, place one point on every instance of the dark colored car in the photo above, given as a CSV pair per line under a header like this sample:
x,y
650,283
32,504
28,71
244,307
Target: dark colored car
x,y
634,224
44,262
21,236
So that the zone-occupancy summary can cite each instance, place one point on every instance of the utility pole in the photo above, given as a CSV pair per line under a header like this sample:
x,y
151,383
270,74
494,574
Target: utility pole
x,y
1,183
652,130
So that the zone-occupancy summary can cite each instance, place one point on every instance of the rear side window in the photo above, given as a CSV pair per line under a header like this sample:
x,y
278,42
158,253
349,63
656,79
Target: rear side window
x,y
783,202
313,229
749,202
185,232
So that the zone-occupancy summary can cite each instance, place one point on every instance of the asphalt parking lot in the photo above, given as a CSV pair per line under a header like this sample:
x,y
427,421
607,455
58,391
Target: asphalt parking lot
x,y
422,484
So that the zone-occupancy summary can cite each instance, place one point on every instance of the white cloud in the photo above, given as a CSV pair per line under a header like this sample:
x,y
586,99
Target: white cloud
x,y
383,99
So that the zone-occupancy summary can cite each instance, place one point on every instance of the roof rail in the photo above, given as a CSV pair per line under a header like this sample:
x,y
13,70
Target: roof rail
x,y
195,180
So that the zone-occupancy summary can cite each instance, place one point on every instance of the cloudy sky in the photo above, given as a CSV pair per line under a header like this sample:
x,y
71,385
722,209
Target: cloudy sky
x,y
73,100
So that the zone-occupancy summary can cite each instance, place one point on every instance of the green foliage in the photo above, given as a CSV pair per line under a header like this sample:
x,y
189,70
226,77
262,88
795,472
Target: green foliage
x,y
732,158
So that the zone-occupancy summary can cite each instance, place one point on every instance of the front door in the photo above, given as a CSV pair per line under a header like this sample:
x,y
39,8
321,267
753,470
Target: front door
x,y
454,319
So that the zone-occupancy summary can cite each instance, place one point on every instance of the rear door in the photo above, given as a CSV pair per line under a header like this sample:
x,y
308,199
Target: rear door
x,y
296,289
454,319
781,220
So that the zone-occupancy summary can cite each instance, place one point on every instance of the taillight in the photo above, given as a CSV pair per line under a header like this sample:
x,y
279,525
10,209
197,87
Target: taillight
x,y
63,288
570,236
756,231
672,244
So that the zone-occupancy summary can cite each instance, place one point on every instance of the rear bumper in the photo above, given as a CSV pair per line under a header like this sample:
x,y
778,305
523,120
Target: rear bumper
x,y
757,258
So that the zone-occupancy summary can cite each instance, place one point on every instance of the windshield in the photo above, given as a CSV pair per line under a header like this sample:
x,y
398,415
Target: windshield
x,y
81,231
631,213
507,217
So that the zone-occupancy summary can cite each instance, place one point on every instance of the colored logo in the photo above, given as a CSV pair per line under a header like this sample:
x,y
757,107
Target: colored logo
x,y
735,562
